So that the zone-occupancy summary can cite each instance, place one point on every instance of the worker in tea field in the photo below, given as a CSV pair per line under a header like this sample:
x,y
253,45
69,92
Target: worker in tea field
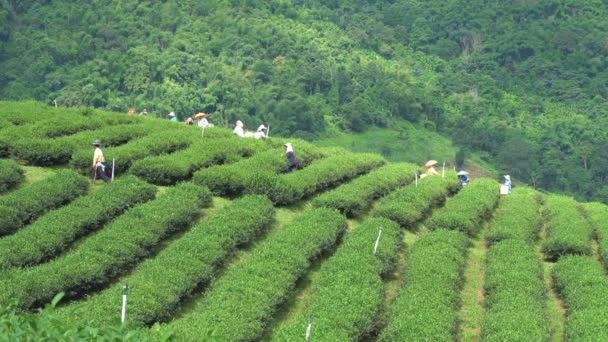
x,y
172,117
202,120
462,176
99,163
259,134
506,185
291,158
430,169
238,129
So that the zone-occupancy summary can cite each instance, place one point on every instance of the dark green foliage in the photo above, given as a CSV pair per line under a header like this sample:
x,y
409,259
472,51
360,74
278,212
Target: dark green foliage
x,y
466,210
179,166
114,249
425,308
166,141
517,217
567,231
25,205
185,264
357,196
410,204
56,230
597,214
10,174
514,293
583,285
240,303
349,294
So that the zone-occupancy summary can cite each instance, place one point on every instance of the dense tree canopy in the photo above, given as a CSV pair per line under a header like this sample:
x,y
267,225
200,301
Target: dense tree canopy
x,y
521,82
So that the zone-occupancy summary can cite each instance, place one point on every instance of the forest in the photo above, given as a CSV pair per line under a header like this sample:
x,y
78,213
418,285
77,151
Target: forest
x,y
522,83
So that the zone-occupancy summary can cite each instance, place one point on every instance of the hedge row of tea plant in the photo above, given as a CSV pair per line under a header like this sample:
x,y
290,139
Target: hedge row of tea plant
x,y
158,285
11,174
516,217
426,307
411,203
56,230
348,296
154,144
114,249
583,285
319,175
253,173
567,230
179,166
47,325
466,210
58,151
22,206
56,126
357,196
515,293
597,214
238,306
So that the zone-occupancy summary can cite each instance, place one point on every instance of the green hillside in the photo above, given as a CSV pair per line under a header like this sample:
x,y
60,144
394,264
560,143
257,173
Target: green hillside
x,y
520,84
216,243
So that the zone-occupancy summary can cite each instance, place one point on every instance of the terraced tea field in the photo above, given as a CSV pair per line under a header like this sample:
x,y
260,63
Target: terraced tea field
x,y
216,244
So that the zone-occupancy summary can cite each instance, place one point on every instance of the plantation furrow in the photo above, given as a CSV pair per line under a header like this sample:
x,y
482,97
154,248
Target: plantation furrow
x,y
22,206
352,275
54,231
179,166
556,313
185,264
110,251
583,284
357,196
597,215
567,232
471,312
238,305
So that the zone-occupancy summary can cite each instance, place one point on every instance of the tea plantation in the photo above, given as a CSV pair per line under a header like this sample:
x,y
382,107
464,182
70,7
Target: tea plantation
x,y
216,244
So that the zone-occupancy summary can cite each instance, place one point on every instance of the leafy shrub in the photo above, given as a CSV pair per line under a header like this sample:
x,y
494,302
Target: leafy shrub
x,y
319,175
100,257
567,231
185,264
517,217
58,151
351,275
356,196
179,166
410,204
597,214
25,205
425,309
54,231
468,208
48,326
252,174
237,306
10,174
154,144
583,285
515,293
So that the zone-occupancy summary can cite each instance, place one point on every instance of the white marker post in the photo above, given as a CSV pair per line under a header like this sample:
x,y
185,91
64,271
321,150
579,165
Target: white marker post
x,y
113,169
309,327
443,170
267,131
125,291
416,175
377,241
